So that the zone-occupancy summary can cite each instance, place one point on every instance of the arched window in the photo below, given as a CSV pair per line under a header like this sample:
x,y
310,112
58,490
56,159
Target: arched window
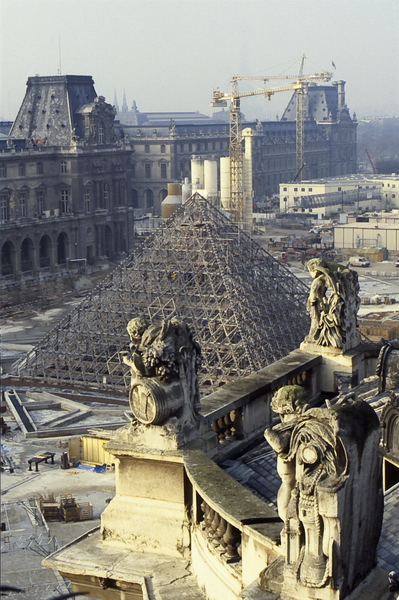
x,y
149,199
7,258
26,255
62,248
44,251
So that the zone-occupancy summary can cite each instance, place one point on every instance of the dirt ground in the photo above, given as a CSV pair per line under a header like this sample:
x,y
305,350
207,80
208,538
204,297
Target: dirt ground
x,y
24,541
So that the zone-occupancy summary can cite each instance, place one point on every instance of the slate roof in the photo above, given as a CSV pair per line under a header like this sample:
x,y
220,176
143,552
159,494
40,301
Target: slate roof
x,y
388,547
322,104
48,110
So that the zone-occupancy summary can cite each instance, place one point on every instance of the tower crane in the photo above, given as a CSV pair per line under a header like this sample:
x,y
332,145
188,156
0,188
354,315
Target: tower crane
x,y
220,99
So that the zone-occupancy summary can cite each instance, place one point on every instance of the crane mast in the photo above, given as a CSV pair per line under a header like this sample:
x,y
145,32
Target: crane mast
x,y
236,158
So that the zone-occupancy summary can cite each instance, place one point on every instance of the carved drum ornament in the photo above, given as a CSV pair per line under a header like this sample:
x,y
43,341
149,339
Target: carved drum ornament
x,y
151,402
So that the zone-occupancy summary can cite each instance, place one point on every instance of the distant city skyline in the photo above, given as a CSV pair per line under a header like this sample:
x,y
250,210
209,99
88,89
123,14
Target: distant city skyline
x,y
168,56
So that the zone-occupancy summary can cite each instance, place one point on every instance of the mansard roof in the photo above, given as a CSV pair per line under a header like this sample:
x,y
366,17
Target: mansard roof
x,y
322,104
49,108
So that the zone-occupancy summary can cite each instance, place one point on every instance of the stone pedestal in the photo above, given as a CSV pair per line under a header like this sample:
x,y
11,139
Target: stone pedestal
x,y
338,368
148,513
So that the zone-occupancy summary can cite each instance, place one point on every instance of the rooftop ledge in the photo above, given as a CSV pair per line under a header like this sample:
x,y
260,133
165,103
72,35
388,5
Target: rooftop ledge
x,y
244,390
88,557
231,500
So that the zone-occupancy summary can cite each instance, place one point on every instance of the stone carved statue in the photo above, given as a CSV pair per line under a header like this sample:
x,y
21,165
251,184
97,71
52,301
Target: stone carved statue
x,y
163,362
329,464
333,304
388,366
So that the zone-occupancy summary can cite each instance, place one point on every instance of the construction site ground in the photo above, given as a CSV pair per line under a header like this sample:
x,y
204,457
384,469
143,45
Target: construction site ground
x,y
24,541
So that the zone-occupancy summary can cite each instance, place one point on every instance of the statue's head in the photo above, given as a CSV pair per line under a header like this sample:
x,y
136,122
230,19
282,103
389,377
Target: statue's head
x,y
290,399
317,265
136,327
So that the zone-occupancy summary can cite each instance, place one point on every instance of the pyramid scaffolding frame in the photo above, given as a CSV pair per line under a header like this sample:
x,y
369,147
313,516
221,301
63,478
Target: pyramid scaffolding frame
x,y
246,309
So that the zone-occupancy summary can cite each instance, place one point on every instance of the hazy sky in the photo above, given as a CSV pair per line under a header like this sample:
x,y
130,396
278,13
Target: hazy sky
x,y
169,54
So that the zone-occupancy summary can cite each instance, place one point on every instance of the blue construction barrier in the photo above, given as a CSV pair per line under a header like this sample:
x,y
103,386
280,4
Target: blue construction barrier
x,y
95,468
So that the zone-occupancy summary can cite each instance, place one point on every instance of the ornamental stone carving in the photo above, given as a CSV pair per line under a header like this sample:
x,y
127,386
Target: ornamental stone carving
x,y
330,468
332,305
164,388
388,366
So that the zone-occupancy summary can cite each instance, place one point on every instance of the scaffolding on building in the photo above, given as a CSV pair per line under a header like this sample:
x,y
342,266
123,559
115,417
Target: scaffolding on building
x,y
246,309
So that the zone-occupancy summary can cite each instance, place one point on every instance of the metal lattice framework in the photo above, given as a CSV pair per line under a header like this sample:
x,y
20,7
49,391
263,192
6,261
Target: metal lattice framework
x,y
246,309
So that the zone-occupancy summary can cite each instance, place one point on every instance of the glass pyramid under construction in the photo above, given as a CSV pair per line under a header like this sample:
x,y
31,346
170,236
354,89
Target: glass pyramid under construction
x,y
246,309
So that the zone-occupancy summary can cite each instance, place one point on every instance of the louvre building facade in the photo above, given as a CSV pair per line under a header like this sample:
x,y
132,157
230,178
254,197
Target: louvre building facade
x,y
165,142
65,182
74,170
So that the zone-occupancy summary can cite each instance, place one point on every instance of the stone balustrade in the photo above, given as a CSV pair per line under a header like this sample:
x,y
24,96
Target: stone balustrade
x,y
220,534
240,411
234,534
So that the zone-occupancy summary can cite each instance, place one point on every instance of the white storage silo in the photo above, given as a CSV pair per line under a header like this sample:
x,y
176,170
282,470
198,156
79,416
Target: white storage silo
x,y
211,179
197,173
225,182
186,190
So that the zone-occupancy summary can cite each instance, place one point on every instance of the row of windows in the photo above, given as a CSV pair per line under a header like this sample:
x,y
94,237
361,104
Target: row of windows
x,y
204,146
191,147
339,189
148,170
147,148
22,204
39,169
104,201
